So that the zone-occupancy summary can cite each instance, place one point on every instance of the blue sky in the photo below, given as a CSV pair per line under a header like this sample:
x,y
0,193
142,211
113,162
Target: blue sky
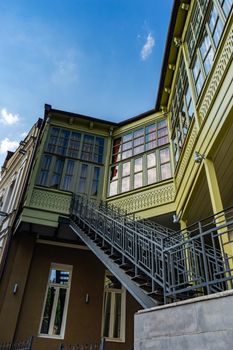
x,y
95,57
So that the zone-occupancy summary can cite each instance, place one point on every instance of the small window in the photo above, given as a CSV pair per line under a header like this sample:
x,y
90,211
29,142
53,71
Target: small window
x,y
113,325
56,301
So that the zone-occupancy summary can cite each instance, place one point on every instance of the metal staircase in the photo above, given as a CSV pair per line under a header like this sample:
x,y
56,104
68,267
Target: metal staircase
x,y
155,264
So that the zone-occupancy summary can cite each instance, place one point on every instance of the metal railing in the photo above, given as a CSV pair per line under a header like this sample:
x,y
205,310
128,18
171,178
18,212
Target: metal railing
x,y
93,346
196,260
17,345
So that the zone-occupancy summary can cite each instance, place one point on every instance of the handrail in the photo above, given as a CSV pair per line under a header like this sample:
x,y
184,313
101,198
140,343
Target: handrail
x,y
170,261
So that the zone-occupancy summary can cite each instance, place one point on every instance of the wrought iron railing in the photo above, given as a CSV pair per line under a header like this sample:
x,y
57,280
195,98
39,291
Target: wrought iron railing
x,y
90,346
17,345
195,260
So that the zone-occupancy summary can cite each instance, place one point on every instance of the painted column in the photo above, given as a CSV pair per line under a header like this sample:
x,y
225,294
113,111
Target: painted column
x,y
217,205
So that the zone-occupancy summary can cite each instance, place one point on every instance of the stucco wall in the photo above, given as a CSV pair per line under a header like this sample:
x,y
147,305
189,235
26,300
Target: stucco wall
x,y
204,323
83,320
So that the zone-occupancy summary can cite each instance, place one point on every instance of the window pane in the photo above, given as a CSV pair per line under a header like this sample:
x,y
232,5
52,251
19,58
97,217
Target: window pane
x,y
127,137
43,177
95,182
116,150
151,145
126,154
151,160
99,150
165,171
83,178
150,128
151,176
107,310
57,173
127,145
88,147
59,277
63,142
69,175
138,141
48,310
227,5
125,169
162,123
138,180
139,132
113,188
114,173
117,316
138,164
59,311
139,149
53,140
164,155
163,141
74,145
125,184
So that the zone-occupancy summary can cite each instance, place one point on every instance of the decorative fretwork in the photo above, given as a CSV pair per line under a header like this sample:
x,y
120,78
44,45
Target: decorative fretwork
x,y
223,62
186,155
147,199
50,200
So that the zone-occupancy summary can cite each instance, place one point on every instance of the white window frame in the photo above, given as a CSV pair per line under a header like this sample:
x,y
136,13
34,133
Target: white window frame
x,y
113,292
62,267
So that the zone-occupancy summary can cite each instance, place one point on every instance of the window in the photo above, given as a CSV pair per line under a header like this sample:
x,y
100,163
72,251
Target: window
x,y
2,244
95,181
113,324
62,161
56,301
203,37
226,6
134,157
182,112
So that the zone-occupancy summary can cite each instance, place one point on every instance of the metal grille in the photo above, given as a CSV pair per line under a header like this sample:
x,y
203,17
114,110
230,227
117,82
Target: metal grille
x,y
18,345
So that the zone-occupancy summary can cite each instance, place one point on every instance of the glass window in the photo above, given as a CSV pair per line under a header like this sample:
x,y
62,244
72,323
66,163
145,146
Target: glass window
x,y
69,174
198,76
133,173
74,145
56,301
83,179
57,173
226,6
44,172
207,53
114,309
215,25
165,171
126,169
138,164
125,184
138,180
165,163
151,160
95,181
151,176
113,188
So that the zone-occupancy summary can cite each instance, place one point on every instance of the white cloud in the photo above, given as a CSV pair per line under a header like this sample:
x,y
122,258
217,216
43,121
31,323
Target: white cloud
x,y
7,145
8,118
148,46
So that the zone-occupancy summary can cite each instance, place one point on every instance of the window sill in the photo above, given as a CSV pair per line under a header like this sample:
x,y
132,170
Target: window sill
x,y
115,340
60,337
